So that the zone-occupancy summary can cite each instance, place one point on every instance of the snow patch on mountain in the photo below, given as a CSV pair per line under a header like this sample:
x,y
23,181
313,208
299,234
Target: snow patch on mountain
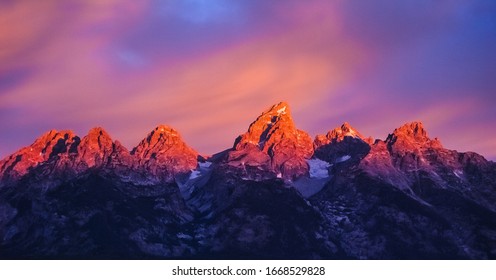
x,y
319,176
197,178
205,164
194,174
318,168
343,158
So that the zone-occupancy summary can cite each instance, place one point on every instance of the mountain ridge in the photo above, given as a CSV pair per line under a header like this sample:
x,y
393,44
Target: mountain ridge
x,y
276,193
265,133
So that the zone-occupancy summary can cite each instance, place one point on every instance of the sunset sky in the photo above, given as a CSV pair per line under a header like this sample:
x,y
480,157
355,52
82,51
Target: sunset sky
x,y
209,67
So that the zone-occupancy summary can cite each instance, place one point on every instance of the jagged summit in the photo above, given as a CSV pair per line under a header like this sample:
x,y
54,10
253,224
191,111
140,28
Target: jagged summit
x,y
410,150
345,130
414,130
45,148
272,146
342,144
162,128
273,140
159,140
412,135
277,117
278,109
163,153
50,140
95,148
97,138
338,134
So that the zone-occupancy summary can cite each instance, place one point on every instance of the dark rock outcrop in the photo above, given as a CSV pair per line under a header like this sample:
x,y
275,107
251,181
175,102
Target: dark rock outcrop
x,y
342,144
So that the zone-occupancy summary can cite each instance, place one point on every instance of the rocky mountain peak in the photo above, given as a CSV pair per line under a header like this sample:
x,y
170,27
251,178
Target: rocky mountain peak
x,y
279,109
408,149
165,135
276,119
95,148
158,140
51,137
45,148
163,153
413,130
410,136
98,133
96,139
342,144
338,134
273,140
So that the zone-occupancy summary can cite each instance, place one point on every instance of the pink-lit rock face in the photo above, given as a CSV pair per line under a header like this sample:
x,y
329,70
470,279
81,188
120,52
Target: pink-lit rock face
x,y
273,141
411,148
337,135
98,150
272,147
95,148
163,153
411,136
53,146
409,154
408,147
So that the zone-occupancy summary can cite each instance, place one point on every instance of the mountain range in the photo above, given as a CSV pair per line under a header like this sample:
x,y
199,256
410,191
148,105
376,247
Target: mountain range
x,y
276,194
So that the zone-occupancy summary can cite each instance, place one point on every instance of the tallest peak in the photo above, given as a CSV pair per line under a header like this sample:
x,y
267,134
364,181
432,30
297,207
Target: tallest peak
x,y
278,109
165,129
277,117
273,140
281,104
